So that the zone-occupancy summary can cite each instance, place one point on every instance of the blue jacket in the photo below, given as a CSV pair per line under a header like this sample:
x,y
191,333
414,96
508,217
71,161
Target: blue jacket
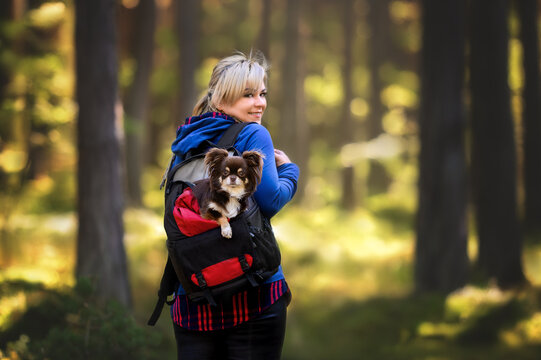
x,y
278,185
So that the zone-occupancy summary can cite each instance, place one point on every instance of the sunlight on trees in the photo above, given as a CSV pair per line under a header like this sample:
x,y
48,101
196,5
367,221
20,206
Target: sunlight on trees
x,y
356,266
326,88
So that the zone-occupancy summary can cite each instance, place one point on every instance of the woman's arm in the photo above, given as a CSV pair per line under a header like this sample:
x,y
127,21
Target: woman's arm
x,y
278,183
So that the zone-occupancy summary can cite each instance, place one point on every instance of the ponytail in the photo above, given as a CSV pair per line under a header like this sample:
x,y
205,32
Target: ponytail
x,y
203,105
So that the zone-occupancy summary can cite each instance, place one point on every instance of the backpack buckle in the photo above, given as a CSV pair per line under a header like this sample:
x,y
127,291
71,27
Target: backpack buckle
x,y
201,280
243,263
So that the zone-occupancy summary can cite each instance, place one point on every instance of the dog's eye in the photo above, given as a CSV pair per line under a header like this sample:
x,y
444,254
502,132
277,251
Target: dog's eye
x,y
226,172
240,172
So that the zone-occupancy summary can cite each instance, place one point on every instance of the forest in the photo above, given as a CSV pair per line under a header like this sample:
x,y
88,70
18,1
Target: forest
x,y
415,232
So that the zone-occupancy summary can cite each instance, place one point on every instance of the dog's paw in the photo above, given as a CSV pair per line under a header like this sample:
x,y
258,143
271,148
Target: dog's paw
x,y
227,232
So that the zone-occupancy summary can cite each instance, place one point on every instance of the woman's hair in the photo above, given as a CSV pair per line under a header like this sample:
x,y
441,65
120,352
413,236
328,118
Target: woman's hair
x,y
230,78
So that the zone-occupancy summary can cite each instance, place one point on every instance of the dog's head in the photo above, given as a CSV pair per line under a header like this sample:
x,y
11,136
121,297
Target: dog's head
x,y
237,175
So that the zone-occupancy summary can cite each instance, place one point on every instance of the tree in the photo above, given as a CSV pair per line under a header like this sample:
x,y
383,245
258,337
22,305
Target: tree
x,y
346,123
186,26
287,134
531,116
10,184
6,15
493,164
302,128
380,44
137,99
263,38
293,136
441,262
100,250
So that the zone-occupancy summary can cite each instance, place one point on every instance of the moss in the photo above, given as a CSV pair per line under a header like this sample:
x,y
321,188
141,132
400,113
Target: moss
x,y
71,324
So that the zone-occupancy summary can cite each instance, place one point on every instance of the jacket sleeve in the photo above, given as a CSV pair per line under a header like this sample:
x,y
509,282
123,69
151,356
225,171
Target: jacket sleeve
x,y
278,185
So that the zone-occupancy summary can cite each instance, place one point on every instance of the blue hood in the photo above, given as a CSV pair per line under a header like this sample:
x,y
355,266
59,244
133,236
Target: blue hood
x,y
196,129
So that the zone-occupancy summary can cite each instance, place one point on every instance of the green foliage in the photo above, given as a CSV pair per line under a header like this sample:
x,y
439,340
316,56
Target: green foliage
x,y
351,277
486,317
126,73
17,350
72,324
52,194
378,328
164,79
40,86
326,88
36,106
487,324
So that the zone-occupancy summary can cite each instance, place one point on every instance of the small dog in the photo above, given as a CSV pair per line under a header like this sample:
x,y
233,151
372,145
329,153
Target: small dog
x,y
232,179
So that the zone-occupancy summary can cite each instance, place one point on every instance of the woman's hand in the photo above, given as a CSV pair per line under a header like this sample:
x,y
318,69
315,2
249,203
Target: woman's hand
x,y
280,157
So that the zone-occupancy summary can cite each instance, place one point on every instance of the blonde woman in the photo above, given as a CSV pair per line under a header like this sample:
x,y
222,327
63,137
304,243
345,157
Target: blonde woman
x,y
250,324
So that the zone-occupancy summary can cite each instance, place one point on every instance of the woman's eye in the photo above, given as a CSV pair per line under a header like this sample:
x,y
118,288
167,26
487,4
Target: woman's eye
x,y
264,94
248,95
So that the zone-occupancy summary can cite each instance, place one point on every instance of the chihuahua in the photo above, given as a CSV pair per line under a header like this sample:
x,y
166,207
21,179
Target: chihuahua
x,y
232,179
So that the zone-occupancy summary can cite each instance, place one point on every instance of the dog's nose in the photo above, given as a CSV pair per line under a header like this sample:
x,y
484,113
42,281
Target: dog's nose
x,y
232,178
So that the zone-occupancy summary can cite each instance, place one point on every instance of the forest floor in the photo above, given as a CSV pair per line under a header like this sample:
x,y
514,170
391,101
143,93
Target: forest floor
x,y
351,278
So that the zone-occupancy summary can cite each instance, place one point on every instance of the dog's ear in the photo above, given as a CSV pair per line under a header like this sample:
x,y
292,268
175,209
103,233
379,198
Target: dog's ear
x,y
214,158
254,160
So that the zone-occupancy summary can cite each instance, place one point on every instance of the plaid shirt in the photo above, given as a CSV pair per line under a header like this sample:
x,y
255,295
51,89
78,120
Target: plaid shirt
x,y
241,307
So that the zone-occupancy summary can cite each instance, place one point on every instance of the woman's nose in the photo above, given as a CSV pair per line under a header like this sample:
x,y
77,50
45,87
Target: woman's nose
x,y
260,101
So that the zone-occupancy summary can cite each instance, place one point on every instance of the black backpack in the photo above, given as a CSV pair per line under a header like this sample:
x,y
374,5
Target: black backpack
x,y
207,265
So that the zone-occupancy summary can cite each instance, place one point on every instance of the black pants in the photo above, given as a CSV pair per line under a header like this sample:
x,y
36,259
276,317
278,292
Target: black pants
x,y
257,339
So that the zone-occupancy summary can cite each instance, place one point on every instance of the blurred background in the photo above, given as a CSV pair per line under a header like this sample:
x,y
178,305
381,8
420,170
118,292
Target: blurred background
x,y
415,232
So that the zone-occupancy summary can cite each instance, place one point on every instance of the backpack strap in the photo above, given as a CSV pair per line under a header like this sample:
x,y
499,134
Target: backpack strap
x,y
164,177
246,270
230,135
226,141
168,286
206,291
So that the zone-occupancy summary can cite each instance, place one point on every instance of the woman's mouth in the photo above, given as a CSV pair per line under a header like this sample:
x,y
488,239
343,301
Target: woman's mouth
x,y
256,115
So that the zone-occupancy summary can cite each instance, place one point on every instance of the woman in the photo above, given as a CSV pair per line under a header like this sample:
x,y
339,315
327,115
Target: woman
x,y
251,324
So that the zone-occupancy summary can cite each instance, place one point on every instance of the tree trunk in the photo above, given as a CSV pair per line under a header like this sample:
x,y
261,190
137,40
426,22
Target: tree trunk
x,y
6,134
380,44
531,116
441,262
346,123
263,39
187,32
100,249
287,135
294,130
39,150
164,117
6,15
493,146
137,99
302,128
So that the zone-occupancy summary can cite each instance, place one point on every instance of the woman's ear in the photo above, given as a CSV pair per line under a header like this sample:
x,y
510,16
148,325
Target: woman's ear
x,y
219,107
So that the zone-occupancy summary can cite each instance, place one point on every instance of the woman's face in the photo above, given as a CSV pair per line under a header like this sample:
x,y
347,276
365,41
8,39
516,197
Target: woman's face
x,y
249,107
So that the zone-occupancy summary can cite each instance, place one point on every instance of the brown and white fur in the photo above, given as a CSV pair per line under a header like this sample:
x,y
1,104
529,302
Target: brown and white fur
x,y
232,179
